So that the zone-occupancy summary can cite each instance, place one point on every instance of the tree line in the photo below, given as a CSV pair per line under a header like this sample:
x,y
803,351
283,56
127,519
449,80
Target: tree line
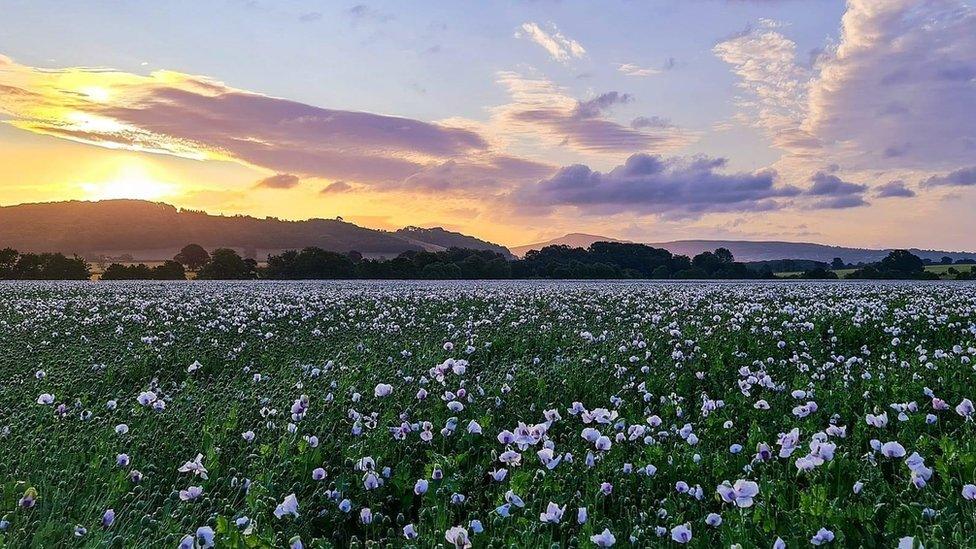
x,y
602,260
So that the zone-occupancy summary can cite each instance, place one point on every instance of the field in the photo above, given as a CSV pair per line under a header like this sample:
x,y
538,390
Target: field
x,y
503,414
941,270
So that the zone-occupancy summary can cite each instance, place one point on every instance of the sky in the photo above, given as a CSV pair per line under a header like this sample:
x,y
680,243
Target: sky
x,y
849,123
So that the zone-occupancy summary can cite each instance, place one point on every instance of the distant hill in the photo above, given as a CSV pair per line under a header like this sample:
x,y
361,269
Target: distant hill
x,y
749,250
152,231
573,240
437,239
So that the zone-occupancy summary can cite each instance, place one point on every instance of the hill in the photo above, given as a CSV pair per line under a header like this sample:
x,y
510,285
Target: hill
x,y
573,240
755,250
748,250
152,231
439,239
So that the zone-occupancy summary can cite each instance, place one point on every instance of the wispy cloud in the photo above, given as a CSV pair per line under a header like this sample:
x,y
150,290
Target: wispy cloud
x,y
196,117
631,69
558,46
541,109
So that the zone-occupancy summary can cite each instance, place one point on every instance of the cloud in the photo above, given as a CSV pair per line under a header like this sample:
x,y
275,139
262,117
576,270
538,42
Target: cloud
x,y
894,93
839,203
775,86
650,122
336,187
893,189
485,177
674,187
540,109
899,88
830,185
195,117
559,47
631,69
362,13
833,193
963,177
279,181
310,16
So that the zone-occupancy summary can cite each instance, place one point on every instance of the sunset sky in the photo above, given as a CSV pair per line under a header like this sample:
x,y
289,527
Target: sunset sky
x,y
816,120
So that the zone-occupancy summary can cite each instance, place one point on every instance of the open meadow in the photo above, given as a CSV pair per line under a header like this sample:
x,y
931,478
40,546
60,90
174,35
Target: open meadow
x,y
529,414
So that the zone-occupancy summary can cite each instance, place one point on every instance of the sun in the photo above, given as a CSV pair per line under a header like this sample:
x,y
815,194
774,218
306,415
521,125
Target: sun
x,y
130,181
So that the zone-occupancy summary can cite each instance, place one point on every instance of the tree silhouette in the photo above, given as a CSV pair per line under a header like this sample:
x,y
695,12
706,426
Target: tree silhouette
x,y
193,256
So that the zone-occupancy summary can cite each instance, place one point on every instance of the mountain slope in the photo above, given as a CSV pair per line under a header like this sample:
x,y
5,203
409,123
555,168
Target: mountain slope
x,y
150,230
748,250
442,239
573,240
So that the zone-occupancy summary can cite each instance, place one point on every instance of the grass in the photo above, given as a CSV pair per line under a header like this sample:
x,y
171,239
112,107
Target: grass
x,y
693,379
940,269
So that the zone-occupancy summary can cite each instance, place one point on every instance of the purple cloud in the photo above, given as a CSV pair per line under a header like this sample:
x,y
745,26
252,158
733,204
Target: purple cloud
x,y
279,181
490,175
893,189
656,185
336,187
825,184
963,177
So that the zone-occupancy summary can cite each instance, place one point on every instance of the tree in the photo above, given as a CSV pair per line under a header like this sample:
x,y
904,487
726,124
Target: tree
x,y
193,256
724,255
902,261
8,260
946,260
837,263
226,264
169,270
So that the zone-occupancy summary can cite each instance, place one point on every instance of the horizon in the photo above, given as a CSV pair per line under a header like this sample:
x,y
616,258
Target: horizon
x,y
507,246
839,123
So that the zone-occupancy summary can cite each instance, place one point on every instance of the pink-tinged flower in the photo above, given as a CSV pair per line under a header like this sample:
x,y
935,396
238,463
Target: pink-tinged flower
x,y
458,536
382,390
741,493
892,449
603,539
288,506
191,493
146,398
196,467
681,533
553,513
366,515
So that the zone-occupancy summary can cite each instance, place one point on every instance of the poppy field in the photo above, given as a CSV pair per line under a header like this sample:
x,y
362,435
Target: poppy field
x,y
473,414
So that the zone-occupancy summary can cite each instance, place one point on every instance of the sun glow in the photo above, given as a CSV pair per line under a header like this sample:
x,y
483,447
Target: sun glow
x,y
131,181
